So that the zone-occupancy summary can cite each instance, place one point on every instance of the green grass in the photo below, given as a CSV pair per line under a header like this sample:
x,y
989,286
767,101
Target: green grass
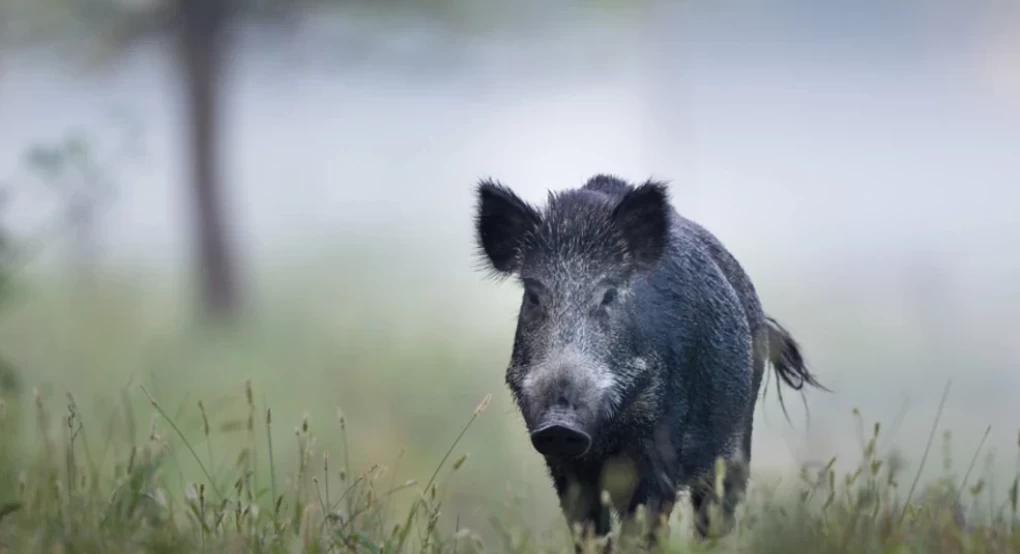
x,y
334,420
60,497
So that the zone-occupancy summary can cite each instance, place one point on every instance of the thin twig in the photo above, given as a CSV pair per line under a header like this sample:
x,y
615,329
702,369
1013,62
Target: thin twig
x,y
927,448
966,476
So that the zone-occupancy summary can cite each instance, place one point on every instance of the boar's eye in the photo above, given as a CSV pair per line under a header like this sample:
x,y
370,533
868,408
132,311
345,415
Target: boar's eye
x,y
533,292
532,297
609,297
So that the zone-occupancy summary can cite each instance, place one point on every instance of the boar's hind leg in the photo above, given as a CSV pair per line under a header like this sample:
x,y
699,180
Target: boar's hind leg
x,y
703,495
706,503
759,359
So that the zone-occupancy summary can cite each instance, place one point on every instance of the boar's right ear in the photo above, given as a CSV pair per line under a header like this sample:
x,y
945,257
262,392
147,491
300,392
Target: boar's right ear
x,y
502,222
642,217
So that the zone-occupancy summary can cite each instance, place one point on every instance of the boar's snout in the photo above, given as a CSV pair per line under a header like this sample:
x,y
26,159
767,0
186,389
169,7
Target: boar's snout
x,y
560,437
562,408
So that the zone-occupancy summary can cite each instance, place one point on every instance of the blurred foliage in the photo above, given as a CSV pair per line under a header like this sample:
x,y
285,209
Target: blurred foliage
x,y
70,168
10,376
110,26
10,381
84,177
6,246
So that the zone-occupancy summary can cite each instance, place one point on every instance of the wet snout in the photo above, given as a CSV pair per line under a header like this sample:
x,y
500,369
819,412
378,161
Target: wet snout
x,y
561,432
564,398
561,438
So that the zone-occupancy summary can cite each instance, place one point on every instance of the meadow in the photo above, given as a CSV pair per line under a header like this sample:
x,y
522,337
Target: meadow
x,y
363,410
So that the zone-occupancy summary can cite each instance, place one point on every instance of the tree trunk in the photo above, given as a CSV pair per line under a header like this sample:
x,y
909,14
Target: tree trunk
x,y
200,32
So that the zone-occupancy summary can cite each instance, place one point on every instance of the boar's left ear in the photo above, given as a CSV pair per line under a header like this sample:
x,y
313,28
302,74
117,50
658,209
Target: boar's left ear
x,y
502,223
642,217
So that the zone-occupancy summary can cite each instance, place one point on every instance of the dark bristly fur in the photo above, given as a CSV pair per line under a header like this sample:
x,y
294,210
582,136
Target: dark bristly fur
x,y
639,351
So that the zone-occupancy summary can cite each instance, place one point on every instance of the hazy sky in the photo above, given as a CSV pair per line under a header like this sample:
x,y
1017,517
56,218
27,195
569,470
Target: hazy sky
x,y
792,126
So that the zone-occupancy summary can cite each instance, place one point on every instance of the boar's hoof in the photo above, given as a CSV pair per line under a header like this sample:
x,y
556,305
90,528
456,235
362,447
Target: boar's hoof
x,y
561,441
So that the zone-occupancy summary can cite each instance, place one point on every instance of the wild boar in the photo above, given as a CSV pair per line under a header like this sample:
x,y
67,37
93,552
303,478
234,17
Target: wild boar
x,y
639,350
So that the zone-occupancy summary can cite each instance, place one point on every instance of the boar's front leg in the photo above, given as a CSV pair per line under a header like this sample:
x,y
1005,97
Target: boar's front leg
x,y
653,530
582,507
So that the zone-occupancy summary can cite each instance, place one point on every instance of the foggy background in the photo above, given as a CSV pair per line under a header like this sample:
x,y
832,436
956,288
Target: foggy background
x,y
861,160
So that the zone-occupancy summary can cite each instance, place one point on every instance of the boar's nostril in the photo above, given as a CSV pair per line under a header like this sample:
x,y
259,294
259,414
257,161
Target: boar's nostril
x,y
561,441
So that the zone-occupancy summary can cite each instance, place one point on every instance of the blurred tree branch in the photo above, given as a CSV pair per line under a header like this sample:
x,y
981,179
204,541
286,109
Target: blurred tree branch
x,y
85,183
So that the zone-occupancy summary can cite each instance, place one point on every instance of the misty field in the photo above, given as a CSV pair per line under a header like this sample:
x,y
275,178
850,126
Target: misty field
x,y
364,411
314,162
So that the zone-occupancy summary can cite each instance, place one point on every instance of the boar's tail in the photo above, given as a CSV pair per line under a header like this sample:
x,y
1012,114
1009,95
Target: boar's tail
x,y
787,361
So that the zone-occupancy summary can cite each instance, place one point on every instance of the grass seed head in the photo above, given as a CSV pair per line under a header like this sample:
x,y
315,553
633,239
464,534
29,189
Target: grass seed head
x,y
205,418
483,404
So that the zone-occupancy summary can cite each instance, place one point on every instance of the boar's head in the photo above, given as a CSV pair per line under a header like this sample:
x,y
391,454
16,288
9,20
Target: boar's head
x,y
577,356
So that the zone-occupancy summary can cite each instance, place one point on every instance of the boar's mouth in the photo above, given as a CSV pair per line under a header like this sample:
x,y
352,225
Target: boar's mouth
x,y
561,435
